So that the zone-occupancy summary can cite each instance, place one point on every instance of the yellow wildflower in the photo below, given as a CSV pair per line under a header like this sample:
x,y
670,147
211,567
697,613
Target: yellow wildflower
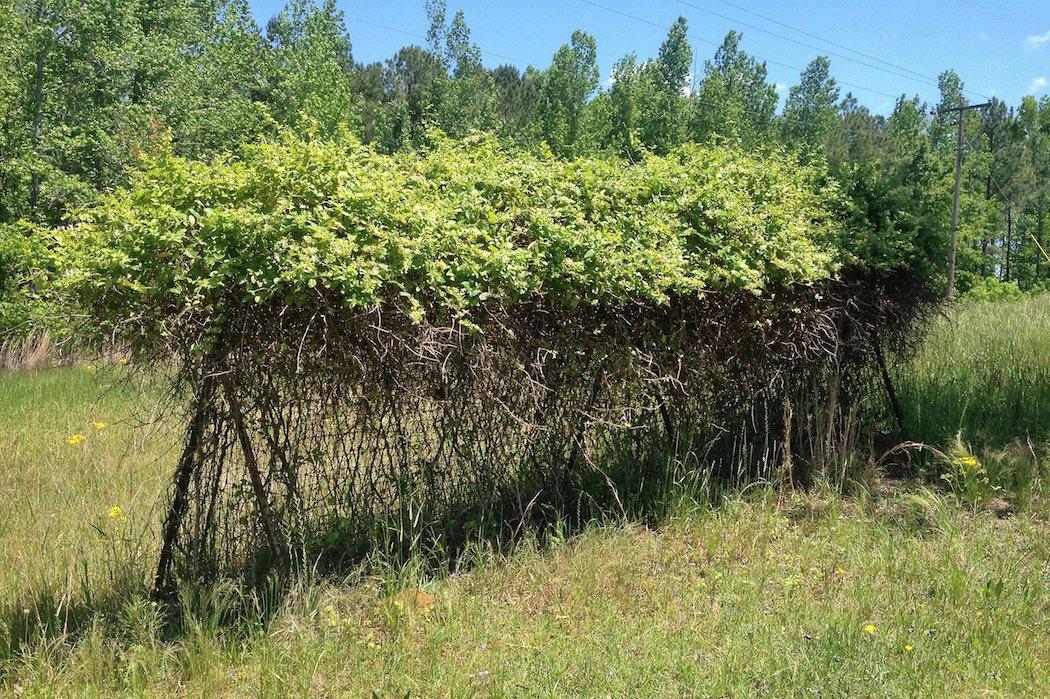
x,y
99,425
115,512
840,571
909,648
75,440
870,629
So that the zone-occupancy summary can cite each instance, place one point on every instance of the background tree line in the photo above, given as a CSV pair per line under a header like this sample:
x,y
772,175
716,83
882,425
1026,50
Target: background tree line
x,y
86,86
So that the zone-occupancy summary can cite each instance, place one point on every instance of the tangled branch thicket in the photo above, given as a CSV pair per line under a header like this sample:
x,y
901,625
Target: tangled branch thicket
x,y
424,342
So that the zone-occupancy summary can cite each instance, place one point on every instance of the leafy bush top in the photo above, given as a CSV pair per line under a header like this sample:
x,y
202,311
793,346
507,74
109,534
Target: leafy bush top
x,y
445,232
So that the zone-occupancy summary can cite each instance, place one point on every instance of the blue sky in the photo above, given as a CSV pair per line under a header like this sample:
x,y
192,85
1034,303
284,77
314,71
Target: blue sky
x,y
998,48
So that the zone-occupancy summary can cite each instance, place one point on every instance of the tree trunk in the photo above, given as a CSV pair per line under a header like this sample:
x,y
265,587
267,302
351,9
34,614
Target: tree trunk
x,y
1009,238
787,465
38,120
1039,238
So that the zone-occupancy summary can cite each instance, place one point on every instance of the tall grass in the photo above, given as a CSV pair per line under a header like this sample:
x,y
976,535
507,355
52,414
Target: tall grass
x,y
903,596
71,451
984,372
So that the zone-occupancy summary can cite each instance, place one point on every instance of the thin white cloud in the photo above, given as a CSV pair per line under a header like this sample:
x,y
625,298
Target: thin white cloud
x,y
1038,86
983,37
1034,42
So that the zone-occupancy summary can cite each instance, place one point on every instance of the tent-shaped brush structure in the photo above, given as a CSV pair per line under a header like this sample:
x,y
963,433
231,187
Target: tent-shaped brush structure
x,y
370,350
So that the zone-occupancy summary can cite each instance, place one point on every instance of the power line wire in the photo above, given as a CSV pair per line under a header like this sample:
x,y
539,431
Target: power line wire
x,y
714,43
650,22
922,79
516,61
820,38
836,44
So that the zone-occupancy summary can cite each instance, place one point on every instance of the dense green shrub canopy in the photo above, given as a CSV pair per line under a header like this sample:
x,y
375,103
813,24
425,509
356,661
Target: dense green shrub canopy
x,y
445,232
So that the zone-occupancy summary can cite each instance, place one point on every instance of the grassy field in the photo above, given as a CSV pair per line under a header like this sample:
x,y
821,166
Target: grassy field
x,y
895,589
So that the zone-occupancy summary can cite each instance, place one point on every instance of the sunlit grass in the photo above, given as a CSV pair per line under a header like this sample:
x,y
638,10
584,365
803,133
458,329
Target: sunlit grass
x,y
71,449
903,595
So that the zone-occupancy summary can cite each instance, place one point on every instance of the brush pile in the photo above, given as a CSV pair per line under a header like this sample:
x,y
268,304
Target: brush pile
x,y
421,342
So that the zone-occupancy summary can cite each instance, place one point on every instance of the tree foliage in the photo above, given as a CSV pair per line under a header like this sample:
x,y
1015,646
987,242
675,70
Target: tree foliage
x,y
565,90
735,98
811,109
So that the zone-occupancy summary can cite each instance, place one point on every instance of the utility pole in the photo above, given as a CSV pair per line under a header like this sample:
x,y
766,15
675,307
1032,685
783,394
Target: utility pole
x,y
959,145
